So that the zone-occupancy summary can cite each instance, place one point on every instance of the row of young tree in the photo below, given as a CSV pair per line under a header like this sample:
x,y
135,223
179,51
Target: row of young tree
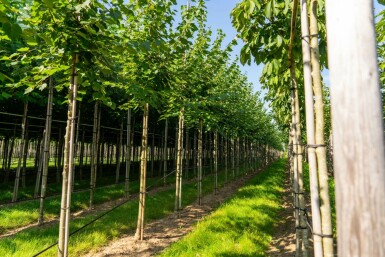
x,y
126,56
289,38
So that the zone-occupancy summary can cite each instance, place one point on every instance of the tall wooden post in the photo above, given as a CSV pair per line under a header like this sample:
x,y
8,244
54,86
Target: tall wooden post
x,y
358,129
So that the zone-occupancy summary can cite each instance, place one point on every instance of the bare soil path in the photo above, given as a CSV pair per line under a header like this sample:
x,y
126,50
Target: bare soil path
x,y
161,233
283,241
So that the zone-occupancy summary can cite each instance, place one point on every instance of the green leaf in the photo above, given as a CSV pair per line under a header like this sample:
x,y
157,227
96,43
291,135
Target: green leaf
x,y
28,90
23,49
268,10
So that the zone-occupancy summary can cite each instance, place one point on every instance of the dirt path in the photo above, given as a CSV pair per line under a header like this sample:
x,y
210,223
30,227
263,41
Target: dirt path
x,y
161,233
283,242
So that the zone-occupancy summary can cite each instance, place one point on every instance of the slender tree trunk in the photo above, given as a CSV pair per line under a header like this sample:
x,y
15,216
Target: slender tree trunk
x,y
195,155
68,162
315,204
187,153
40,166
21,151
215,156
47,138
81,158
232,157
327,229
94,153
238,155
165,155
226,156
358,128
179,165
128,155
25,153
143,170
5,159
10,152
200,135
297,168
118,150
75,148
59,157
152,152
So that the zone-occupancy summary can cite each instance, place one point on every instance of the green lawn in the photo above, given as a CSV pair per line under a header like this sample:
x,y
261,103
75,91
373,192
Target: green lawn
x,y
243,225
121,220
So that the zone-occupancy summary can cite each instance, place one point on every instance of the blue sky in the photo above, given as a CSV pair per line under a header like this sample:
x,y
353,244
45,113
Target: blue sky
x,y
219,18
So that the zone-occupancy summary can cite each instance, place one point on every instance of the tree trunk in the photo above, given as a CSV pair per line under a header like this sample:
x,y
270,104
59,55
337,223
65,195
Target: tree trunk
x,y
81,158
47,138
60,154
143,170
187,154
21,151
200,135
358,128
232,157
153,152
327,230
25,153
128,155
75,148
237,156
165,155
179,163
94,153
40,156
226,156
5,159
118,150
215,156
195,155
297,168
68,162
315,204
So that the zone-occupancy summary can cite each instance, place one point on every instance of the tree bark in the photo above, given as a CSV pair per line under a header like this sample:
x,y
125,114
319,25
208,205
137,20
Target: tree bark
x,y
143,170
179,163
200,135
47,138
94,153
39,156
118,150
68,162
314,189
128,155
358,128
215,156
25,153
21,151
81,158
165,155
326,218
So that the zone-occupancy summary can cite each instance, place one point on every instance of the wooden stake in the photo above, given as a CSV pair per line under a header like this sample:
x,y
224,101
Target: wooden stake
x,y
358,129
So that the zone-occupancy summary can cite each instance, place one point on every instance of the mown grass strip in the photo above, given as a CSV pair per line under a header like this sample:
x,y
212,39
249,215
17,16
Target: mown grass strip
x,y
121,220
243,225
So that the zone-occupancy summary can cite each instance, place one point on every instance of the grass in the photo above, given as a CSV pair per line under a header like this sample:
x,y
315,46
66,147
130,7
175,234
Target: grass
x,y
26,213
32,240
243,225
